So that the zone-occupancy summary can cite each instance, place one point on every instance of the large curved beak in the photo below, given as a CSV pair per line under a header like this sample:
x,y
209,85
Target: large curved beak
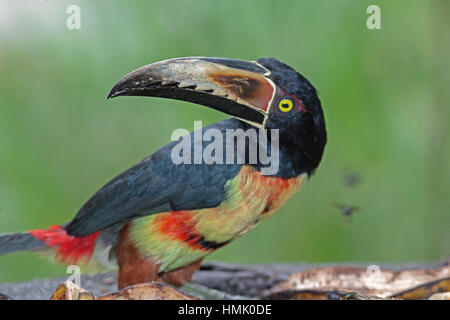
x,y
239,88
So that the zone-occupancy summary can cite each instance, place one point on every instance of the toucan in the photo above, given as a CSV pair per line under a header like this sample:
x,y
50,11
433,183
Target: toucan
x,y
157,220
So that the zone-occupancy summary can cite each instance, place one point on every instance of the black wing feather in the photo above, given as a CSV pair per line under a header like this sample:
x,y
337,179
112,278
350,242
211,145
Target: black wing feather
x,y
156,185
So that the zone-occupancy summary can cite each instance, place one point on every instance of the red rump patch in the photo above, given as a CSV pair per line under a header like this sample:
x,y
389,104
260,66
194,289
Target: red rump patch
x,y
68,249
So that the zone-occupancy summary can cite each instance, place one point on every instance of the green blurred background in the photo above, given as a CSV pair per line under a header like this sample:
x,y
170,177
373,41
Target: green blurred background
x,y
384,92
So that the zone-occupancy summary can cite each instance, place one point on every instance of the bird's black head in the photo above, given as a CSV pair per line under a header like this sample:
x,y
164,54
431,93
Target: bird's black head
x,y
297,113
265,94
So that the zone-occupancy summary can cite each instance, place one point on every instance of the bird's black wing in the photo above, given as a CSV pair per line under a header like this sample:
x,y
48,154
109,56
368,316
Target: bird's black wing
x,y
155,185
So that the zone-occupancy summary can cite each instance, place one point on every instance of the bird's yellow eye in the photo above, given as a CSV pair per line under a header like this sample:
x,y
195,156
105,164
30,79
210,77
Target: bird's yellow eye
x,y
285,105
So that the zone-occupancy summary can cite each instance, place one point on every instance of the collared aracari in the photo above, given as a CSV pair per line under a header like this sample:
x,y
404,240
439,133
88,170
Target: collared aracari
x,y
158,220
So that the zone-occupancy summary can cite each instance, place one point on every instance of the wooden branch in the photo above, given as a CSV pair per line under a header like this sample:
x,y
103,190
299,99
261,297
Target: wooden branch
x,y
278,281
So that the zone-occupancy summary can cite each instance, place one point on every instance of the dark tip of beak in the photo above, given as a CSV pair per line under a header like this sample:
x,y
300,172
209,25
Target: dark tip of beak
x,y
122,89
114,93
134,84
111,94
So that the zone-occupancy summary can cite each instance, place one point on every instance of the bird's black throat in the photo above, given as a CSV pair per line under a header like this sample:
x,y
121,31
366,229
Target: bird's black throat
x,y
299,152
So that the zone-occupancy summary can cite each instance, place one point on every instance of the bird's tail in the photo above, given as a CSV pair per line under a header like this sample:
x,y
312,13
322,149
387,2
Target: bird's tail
x,y
22,241
54,240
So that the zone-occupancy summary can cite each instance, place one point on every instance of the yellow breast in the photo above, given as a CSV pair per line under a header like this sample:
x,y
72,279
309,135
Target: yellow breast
x,y
250,198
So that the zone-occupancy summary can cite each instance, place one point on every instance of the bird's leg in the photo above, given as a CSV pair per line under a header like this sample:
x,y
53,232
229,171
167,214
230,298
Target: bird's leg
x,y
180,276
133,268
